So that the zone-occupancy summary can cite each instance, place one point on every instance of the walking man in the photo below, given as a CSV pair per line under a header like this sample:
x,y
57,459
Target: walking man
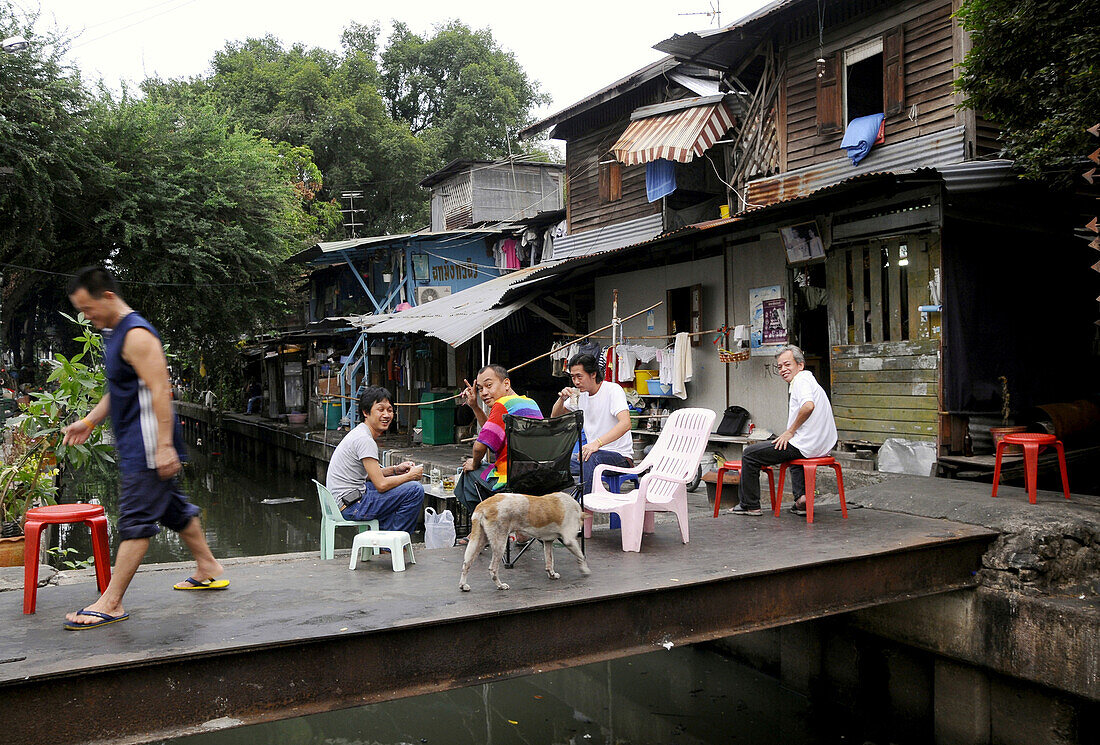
x,y
148,439
810,433
606,418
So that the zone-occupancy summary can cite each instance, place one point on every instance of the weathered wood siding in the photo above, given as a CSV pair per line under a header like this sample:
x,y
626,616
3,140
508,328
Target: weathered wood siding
x,y
886,390
928,58
885,360
586,208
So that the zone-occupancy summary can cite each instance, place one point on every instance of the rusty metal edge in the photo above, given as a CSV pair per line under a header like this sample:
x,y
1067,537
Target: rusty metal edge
x,y
172,698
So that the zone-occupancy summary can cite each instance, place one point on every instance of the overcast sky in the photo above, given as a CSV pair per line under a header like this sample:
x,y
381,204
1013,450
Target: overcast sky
x,y
571,47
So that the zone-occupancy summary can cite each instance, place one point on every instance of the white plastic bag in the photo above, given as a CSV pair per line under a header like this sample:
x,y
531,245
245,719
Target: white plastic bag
x,y
439,529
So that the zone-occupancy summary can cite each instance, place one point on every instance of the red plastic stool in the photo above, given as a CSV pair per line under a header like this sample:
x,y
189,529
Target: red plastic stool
x,y
1033,443
735,465
810,466
91,515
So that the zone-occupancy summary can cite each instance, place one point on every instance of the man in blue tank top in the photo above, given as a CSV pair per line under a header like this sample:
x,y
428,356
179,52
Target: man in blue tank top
x,y
149,444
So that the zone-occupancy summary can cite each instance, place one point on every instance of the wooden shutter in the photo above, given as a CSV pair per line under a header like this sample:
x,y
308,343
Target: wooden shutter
x,y
611,182
893,71
828,98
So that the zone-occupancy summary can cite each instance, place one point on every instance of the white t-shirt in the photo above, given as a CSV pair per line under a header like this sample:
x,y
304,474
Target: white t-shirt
x,y
346,476
600,417
817,435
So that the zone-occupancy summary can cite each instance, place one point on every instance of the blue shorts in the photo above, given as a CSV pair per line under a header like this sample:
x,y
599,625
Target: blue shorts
x,y
144,500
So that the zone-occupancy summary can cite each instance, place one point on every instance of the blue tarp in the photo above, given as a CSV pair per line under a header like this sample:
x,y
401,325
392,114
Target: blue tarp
x,y
861,135
660,178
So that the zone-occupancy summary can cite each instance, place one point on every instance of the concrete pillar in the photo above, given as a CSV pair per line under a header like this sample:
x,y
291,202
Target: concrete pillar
x,y
800,656
1022,714
961,704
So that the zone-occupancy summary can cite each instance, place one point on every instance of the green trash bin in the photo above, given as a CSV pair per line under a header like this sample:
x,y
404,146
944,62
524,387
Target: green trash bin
x,y
332,413
439,419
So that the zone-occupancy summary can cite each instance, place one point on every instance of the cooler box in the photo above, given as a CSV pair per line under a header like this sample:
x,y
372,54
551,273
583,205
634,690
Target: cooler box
x,y
332,412
439,419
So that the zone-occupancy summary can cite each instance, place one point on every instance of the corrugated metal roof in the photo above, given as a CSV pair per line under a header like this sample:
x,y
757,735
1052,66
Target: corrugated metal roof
x,y
454,318
722,49
634,79
680,135
321,250
936,150
608,237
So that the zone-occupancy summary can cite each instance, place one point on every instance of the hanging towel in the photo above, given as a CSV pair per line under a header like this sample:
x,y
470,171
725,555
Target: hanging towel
x,y
508,248
660,178
628,360
681,366
861,134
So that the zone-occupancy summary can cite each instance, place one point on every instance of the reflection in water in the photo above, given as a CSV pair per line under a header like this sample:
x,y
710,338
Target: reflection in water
x,y
233,516
689,695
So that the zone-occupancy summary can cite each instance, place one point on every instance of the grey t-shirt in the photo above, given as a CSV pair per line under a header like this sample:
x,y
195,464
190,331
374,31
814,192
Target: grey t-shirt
x,y
346,476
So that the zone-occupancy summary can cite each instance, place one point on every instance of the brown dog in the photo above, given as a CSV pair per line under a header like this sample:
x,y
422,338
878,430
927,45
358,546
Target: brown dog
x,y
549,518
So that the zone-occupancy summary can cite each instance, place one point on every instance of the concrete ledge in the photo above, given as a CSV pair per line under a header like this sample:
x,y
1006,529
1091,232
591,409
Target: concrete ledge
x,y
1050,641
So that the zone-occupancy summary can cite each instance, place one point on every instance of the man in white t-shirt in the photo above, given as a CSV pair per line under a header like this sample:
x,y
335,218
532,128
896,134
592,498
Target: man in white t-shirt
x,y
606,418
810,433
363,489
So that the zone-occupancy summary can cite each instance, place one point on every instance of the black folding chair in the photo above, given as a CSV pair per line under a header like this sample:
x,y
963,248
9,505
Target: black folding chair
x,y
539,452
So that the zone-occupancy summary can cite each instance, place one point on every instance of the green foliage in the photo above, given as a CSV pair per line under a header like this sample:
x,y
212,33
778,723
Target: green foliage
x,y
1033,70
32,466
63,555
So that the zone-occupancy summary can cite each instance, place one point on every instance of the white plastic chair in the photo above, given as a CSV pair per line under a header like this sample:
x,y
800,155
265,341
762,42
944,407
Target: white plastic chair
x,y
332,519
670,465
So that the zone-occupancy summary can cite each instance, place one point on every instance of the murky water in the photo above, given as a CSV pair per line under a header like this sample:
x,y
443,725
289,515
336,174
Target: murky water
x,y
234,515
687,696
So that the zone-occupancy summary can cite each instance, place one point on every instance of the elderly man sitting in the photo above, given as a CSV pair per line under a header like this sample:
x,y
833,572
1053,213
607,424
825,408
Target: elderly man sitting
x,y
810,433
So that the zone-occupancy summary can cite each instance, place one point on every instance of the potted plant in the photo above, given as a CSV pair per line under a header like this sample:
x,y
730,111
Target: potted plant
x,y
31,468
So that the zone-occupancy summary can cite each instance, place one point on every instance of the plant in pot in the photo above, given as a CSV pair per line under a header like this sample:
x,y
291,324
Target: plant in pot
x,y
998,433
32,465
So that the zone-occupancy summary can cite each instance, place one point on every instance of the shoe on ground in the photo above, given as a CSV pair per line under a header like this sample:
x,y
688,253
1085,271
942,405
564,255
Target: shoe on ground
x,y
739,510
798,510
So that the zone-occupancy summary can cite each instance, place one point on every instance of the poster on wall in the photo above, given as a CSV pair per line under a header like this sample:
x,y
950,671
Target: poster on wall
x,y
803,242
768,313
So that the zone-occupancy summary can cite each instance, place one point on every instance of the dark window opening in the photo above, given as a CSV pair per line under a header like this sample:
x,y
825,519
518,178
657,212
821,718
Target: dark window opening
x,y
864,87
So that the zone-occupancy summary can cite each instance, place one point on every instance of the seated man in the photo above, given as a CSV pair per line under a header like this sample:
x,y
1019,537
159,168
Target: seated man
x,y
364,490
810,433
495,389
606,418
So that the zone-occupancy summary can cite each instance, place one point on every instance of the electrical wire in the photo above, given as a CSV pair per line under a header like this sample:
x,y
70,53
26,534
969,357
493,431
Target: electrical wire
x,y
140,282
135,23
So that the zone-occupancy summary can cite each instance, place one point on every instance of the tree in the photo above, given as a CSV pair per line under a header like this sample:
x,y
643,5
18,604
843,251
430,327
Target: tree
x,y
1033,70
42,103
460,87
196,217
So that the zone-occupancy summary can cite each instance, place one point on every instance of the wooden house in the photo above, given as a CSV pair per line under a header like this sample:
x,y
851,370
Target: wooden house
x,y
911,278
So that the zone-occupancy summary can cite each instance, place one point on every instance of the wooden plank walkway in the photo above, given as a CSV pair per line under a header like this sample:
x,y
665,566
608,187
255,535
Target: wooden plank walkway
x,y
297,636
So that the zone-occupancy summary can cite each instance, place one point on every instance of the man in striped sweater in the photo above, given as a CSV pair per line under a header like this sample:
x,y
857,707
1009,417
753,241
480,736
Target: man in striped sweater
x,y
495,389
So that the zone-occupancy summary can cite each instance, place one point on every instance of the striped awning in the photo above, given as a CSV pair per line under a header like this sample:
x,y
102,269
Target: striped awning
x,y
679,135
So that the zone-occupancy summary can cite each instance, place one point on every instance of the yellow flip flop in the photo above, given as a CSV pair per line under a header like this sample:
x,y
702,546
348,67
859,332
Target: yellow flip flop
x,y
207,584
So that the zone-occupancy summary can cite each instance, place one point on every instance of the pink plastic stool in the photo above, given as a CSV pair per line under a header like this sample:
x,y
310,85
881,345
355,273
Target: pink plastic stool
x,y
735,465
810,465
1032,443
91,515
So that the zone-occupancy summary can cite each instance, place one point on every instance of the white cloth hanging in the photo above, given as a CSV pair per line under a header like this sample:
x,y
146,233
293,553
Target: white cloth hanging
x,y
666,357
681,367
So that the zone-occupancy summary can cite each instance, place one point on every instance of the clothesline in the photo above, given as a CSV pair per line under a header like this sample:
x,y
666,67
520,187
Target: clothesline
x,y
652,336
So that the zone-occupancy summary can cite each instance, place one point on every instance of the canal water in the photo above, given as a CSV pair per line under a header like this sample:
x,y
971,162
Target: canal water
x,y
245,512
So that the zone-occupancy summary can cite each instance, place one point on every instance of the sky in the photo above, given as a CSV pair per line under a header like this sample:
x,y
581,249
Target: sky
x,y
571,47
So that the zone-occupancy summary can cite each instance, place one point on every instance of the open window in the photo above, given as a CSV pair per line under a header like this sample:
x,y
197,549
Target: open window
x,y
684,311
868,78
863,80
